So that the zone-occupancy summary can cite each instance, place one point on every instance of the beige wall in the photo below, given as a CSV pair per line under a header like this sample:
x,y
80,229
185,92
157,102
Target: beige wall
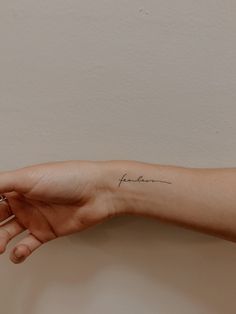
x,y
148,80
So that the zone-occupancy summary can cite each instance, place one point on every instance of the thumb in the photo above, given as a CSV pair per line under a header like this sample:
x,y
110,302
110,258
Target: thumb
x,y
24,248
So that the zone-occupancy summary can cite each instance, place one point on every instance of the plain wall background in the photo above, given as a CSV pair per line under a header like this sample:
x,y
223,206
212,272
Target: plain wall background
x,y
149,80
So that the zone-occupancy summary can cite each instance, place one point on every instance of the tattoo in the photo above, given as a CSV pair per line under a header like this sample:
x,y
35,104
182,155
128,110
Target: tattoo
x,y
140,179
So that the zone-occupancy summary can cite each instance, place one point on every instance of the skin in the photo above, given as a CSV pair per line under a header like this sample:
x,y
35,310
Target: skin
x,y
55,199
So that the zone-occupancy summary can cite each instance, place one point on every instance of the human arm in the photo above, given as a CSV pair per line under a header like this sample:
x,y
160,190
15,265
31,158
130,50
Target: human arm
x,y
55,199
203,199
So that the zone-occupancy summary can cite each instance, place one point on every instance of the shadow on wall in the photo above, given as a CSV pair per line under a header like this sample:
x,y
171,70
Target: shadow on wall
x,y
200,267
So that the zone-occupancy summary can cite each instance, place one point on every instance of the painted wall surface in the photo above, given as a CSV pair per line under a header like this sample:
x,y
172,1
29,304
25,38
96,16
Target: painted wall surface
x,y
150,80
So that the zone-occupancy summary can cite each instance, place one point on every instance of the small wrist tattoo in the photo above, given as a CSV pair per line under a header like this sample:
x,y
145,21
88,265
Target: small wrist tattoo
x,y
140,179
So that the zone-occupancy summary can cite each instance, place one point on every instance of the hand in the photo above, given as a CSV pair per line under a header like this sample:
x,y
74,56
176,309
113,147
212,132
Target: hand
x,y
51,200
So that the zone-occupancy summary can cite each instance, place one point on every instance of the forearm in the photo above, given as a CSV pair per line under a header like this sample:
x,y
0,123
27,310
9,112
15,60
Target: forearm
x,y
198,198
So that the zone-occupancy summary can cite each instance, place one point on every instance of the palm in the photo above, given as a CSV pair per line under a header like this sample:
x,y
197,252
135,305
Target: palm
x,y
43,219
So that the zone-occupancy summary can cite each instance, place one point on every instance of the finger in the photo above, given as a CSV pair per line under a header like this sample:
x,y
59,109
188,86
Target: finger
x,y
24,248
9,230
5,211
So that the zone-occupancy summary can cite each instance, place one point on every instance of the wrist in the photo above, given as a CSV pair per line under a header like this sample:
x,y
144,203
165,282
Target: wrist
x,y
110,173
122,194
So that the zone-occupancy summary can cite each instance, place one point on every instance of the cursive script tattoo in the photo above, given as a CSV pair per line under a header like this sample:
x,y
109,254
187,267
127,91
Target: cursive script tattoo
x,y
140,179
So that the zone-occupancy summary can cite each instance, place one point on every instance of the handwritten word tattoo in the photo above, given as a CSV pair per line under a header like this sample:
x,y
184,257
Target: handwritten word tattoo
x,y
140,179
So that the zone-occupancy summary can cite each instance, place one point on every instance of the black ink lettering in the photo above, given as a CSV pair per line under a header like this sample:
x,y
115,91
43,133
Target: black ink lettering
x,y
140,179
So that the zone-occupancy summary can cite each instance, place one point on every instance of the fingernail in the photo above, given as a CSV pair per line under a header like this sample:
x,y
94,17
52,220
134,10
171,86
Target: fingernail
x,y
17,253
